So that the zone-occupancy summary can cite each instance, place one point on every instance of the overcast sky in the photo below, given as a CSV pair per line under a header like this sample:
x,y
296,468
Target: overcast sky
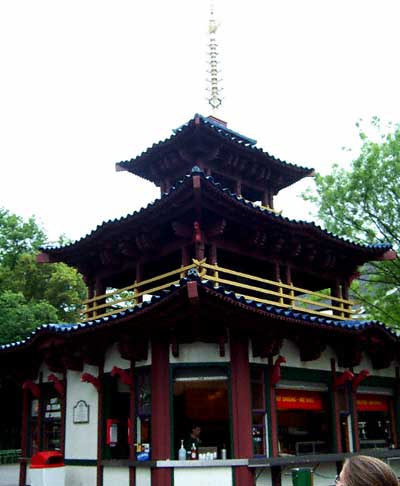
x,y
85,84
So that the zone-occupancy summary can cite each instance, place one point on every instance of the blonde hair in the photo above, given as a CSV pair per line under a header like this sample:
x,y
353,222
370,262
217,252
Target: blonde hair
x,y
368,471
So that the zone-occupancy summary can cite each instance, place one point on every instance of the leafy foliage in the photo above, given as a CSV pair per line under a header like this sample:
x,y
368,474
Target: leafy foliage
x,y
363,203
32,294
17,237
18,316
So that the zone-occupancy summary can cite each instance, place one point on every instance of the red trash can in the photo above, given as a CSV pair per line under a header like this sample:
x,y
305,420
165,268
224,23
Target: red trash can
x,y
47,469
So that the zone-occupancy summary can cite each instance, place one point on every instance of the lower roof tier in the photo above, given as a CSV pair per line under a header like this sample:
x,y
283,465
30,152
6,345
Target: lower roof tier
x,y
193,310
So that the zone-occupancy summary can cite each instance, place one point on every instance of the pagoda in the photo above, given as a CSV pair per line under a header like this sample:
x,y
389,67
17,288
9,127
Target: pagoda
x,y
209,309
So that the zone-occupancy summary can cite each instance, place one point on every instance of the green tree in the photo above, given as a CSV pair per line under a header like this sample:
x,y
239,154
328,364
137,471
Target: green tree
x,y
18,316
32,294
362,203
17,237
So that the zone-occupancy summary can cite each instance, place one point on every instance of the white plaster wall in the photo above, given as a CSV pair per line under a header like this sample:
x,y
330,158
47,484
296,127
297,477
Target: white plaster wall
x,y
113,358
80,476
143,476
386,372
81,439
46,372
199,352
221,476
292,354
113,476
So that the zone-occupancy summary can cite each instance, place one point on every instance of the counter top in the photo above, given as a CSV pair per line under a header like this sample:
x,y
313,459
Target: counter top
x,y
200,463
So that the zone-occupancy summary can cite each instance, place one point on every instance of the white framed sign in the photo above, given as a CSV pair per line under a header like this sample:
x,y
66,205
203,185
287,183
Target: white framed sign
x,y
81,412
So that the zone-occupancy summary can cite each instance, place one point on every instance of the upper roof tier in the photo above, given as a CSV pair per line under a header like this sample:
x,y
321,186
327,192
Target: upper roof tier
x,y
219,151
154,228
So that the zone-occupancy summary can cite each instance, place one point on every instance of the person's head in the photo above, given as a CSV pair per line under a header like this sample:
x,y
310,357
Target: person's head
x,y
366,471
196,430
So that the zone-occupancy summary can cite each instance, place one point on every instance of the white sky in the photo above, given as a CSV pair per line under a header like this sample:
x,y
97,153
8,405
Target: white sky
x,y
87,83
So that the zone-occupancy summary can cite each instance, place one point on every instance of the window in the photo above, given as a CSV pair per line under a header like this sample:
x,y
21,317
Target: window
x,y
33,446
117,399
375,424
116,414
143,407
303,421
200,398
49,407
258,412
52,424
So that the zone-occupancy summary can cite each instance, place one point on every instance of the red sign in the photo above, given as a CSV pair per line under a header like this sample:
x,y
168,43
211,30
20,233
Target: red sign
x,y
299,400
372,403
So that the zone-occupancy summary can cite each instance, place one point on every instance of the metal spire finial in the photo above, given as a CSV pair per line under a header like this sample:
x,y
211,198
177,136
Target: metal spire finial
x,y
215,99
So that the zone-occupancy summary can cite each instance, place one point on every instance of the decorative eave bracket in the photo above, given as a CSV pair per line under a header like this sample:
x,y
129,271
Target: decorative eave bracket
x,y
89,378
275,376
32,387
123,375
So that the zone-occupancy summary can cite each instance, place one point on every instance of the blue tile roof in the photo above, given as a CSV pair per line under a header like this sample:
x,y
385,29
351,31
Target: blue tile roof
x,y
300,316
279,312
221,131
241,200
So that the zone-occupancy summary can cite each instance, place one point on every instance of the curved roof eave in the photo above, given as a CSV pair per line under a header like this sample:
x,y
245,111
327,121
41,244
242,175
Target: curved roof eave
x,y
137,165
228,296
375,249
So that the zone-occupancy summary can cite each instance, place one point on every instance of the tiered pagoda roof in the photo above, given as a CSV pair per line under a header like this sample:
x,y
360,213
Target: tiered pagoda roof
x,y
225,219
158,218
207,140
176,306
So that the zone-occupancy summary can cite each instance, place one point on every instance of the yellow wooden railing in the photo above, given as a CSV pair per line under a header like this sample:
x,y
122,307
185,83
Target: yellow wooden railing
x,y
115,301
248,286
277,293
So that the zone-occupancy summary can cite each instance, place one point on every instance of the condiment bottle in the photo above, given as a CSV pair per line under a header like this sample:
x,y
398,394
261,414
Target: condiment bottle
x,y
223,453
182,452
193,452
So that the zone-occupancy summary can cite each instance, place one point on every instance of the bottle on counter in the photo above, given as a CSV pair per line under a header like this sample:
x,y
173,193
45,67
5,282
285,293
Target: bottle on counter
x,y
182,452
223,453
193,452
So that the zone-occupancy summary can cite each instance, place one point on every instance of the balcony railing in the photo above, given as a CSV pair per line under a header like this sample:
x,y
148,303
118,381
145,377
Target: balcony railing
x,y
250,287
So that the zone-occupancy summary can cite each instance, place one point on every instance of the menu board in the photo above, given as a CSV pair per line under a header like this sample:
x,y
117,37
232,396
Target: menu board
x,y
53,409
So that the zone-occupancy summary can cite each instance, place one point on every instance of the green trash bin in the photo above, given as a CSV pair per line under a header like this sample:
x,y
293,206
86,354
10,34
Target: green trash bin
x,y
302,476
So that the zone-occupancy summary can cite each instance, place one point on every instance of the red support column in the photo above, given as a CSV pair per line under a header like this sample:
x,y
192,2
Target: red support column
x,y
24,437
160,410
63,400
99,476
354,418
39,444
336,410
241,408
132,420
274,424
